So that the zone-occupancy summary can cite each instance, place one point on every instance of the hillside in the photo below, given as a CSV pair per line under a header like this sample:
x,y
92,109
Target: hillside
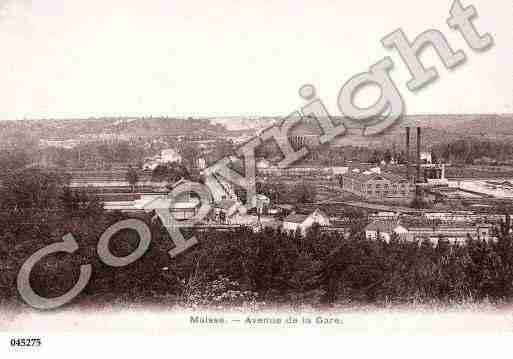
x,y
436,129
33,130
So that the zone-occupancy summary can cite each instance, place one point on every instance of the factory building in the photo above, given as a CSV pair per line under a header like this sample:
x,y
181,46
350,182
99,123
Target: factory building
x,y
377,186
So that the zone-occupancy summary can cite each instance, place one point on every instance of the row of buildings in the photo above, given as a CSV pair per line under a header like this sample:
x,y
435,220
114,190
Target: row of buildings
x,y
455,232
229,213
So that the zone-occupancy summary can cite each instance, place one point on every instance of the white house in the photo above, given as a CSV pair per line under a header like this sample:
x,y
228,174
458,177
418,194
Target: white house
x,y
201,163
426,157
257,223
59,143
170,155
225,209
260,201
167,208
166,156
338,170
384,229
303,222
263,164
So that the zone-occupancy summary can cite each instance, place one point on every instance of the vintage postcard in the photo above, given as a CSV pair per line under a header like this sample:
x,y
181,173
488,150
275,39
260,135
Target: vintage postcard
x,y
306,169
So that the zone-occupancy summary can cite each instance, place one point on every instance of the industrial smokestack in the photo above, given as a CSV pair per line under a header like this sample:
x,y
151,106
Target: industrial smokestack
x,y
418,154
407,153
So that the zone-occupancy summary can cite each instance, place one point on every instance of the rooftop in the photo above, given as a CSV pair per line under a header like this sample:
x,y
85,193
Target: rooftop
x,y
225,204
295,218
382,226
388,226
366,176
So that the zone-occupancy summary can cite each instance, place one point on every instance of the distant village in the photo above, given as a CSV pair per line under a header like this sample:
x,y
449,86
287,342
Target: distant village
x,y
412,198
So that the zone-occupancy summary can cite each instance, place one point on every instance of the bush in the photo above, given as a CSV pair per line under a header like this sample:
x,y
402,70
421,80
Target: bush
x,y
243,268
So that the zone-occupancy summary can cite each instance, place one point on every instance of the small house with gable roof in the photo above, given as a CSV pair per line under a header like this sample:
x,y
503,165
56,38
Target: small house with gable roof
x,y
303,222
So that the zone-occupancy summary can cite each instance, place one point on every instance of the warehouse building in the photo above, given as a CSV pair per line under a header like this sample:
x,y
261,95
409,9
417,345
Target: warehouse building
x,y
377,186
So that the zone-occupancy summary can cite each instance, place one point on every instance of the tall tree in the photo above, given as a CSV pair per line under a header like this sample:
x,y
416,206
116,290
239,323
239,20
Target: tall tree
x,y
170,172
32,188
132,177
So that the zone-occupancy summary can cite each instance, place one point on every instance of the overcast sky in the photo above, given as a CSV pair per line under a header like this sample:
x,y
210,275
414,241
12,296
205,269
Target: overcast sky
x,y
66,58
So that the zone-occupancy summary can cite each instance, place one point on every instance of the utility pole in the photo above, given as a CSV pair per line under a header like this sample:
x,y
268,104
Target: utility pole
x,y
418,154
408,154
417,184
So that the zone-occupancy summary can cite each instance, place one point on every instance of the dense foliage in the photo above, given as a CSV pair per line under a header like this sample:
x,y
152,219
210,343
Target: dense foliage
x,y
474,151
267,268
279,192
235,267
170,172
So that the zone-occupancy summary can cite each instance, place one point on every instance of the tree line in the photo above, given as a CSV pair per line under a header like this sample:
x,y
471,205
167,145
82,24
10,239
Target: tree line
x,y
236,267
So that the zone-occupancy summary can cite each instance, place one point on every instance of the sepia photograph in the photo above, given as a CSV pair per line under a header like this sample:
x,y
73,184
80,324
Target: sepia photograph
x,y
324,169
